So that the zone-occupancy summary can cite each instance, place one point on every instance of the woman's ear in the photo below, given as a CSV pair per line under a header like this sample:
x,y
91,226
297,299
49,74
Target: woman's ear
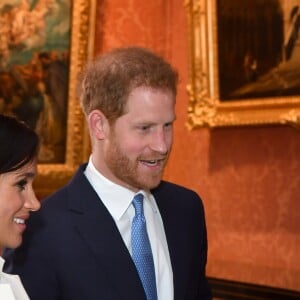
x,y
98,124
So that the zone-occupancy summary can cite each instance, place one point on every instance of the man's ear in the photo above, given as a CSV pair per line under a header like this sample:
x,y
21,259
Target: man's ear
x,y
98,124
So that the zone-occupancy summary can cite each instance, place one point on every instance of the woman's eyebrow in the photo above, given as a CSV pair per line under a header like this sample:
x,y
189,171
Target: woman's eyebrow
x,y
27,174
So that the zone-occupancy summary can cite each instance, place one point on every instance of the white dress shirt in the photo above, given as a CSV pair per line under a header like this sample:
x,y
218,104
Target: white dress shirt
x,y
11,287
118,201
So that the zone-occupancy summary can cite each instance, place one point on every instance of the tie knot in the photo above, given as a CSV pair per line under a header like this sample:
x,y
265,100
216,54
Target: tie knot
x,y
138,204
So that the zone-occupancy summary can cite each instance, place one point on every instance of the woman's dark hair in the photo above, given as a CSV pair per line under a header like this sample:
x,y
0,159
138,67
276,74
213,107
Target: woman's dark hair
x,y
18,144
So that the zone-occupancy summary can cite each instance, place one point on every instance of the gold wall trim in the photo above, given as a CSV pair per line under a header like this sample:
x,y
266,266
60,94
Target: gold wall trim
x,y
53,176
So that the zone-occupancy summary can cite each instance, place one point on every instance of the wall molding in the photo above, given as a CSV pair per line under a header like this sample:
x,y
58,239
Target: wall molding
x,y
233,290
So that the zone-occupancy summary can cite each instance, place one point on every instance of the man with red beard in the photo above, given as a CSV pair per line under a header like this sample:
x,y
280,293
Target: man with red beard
x,y
81,242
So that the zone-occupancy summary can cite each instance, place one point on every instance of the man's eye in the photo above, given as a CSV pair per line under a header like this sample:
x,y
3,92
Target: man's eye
x,y
21,184
144,127
169,125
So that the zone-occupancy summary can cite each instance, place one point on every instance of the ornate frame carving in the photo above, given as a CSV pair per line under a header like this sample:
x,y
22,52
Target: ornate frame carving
x,y
53,176
205,108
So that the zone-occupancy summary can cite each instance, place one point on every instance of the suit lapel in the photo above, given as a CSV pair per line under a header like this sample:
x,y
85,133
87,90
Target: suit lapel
x,y
99,231
170,216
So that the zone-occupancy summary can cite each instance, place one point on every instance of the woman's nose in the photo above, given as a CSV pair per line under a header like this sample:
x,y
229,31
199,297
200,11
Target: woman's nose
x,y
32,202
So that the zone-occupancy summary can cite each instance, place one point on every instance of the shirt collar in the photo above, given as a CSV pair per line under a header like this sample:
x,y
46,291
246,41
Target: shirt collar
x,y
2,261
116,198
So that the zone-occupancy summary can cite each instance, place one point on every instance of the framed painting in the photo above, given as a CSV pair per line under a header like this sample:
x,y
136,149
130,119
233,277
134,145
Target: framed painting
x,y
43,47
244,62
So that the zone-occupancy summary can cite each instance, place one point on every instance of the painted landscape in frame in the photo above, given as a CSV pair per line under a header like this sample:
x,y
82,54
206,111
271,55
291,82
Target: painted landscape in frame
x,y
258,48
243,58
34,66
73,21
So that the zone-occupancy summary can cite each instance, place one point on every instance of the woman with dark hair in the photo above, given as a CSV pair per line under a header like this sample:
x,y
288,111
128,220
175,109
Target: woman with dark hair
x,y
18,167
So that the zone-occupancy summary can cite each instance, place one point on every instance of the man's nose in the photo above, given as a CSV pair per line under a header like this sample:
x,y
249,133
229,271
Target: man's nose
x,y
159,142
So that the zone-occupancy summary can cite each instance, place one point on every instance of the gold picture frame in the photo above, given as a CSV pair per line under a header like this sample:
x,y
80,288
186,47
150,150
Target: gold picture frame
x,y
52,176
206,109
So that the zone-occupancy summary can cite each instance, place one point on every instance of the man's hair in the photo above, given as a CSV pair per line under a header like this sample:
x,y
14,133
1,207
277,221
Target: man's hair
x,y
107,82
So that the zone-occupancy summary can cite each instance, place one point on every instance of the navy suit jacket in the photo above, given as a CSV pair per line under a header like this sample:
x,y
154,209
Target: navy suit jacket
x,y
72,248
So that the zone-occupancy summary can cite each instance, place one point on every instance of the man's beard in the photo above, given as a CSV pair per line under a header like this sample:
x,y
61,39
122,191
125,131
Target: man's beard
x,y
127,170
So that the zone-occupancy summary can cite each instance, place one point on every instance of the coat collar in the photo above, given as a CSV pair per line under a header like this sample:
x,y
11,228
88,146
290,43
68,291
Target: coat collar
x,y
97,228
90,216
166,201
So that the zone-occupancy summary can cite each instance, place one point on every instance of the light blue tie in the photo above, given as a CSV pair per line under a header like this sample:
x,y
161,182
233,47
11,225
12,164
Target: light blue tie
x,y
141,249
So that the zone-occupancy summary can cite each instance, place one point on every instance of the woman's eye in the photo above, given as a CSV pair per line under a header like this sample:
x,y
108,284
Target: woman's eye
x,y
21,184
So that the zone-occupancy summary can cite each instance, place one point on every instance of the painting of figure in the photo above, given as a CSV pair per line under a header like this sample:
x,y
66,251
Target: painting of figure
x,y
34,67
258,49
